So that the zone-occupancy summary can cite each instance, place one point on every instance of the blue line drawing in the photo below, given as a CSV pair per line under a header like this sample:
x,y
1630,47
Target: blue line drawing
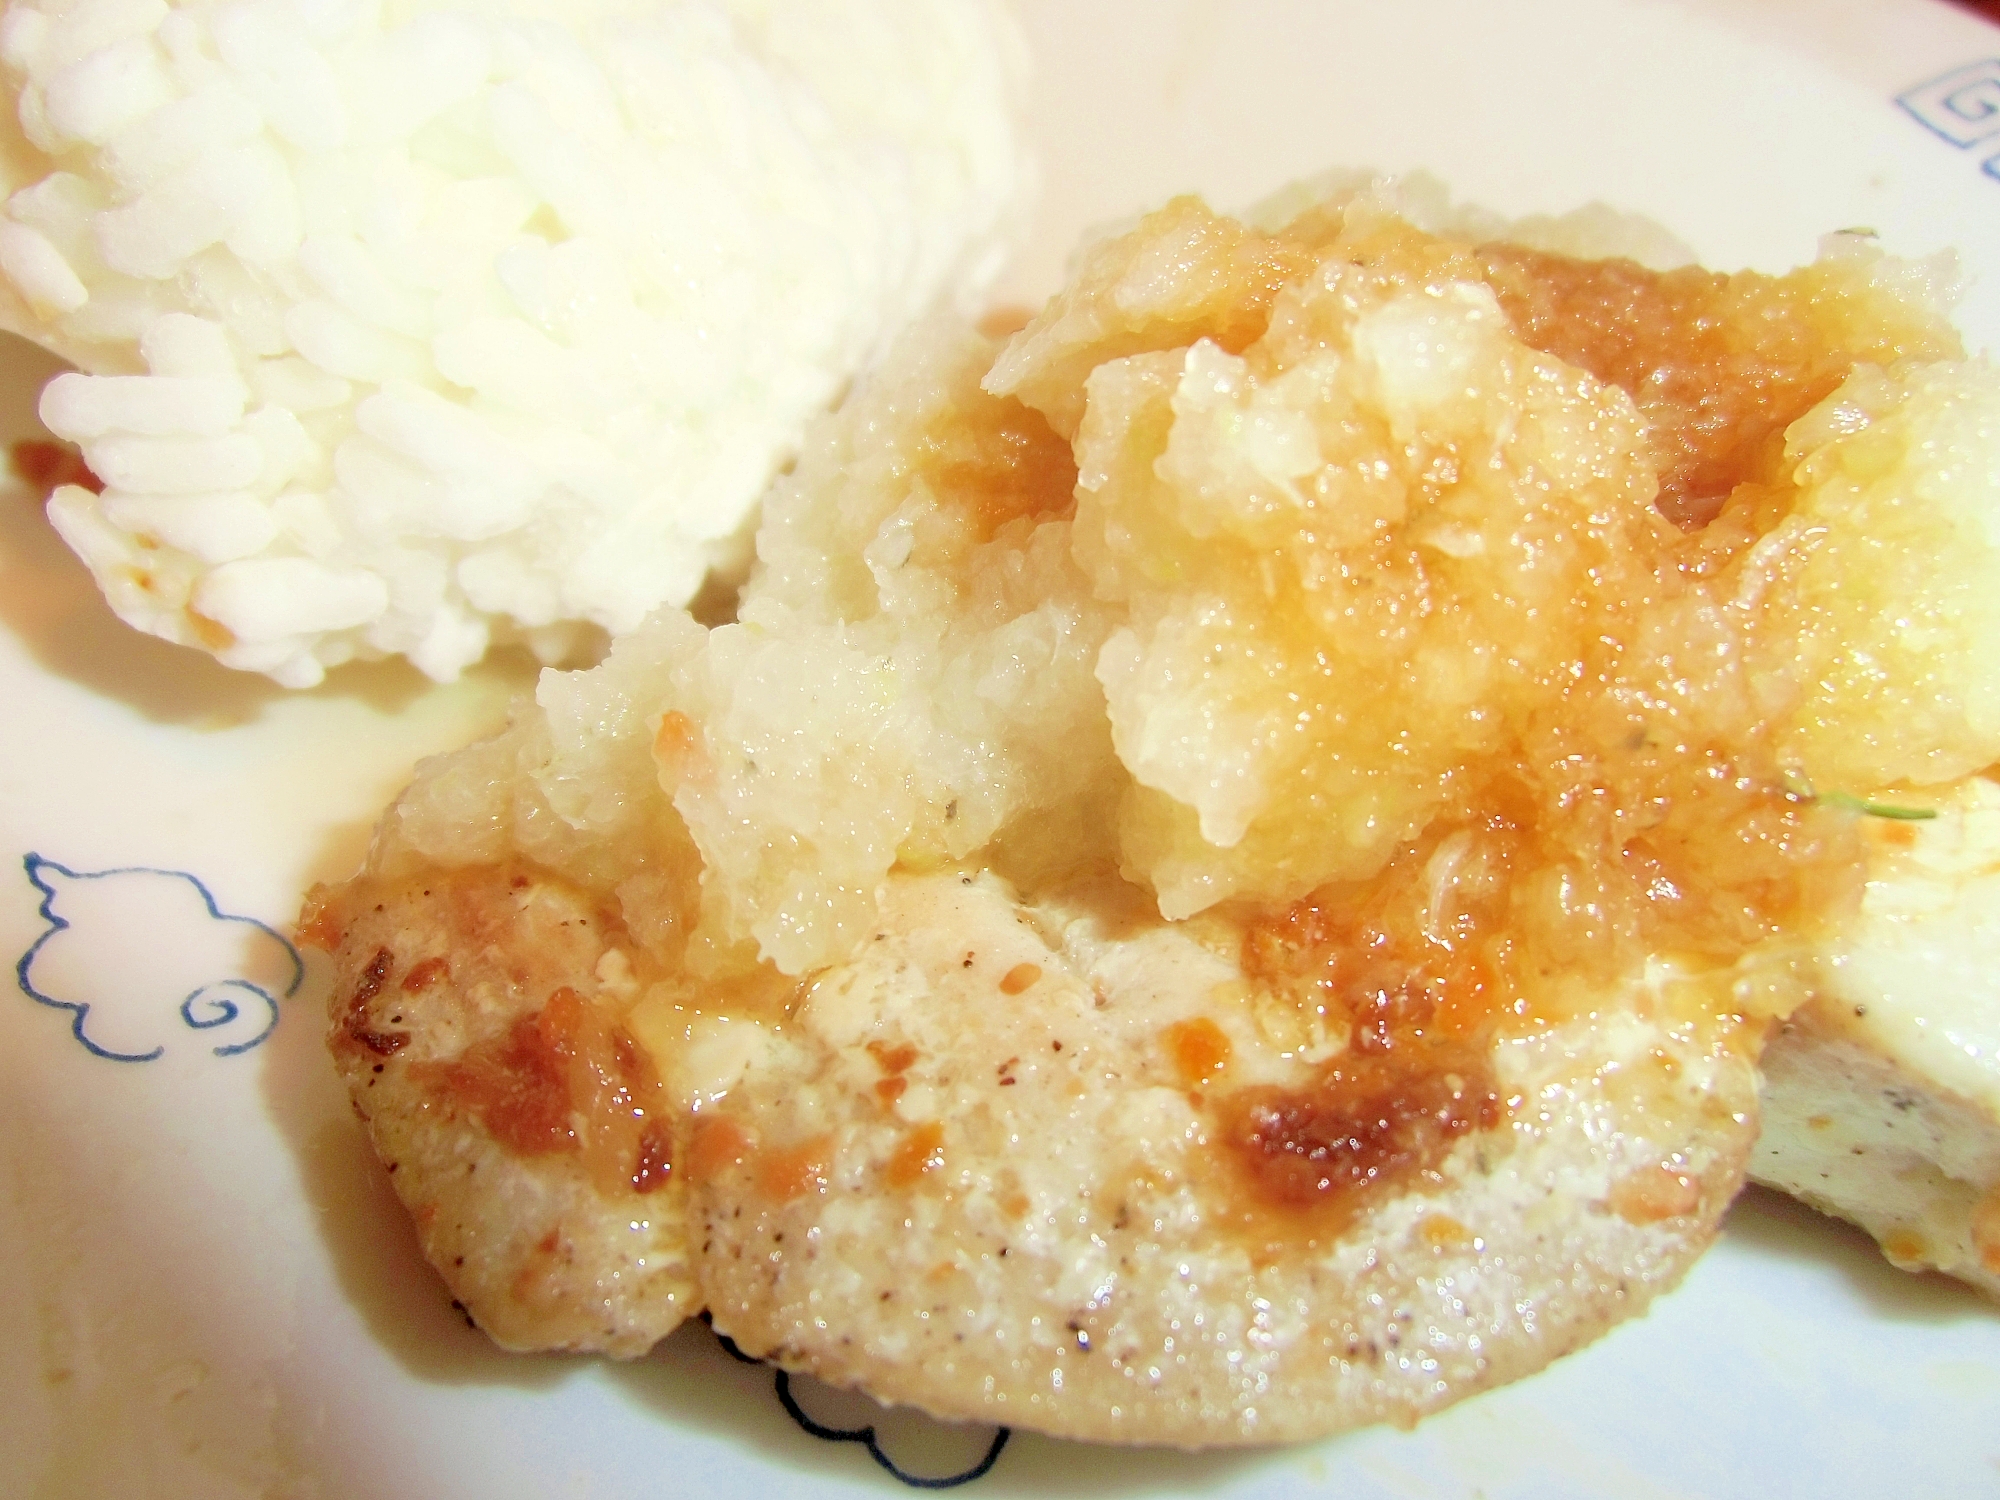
x,y
1962,106
137,953
782,1389
866,1437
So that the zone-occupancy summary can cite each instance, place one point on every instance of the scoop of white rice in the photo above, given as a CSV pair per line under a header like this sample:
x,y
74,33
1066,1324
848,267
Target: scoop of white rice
x,y
410,327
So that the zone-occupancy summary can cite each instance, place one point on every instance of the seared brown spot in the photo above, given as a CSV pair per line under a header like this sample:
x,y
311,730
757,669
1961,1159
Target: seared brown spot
x,y
1365,1122
655,1160
372,979
359,1025
515,1084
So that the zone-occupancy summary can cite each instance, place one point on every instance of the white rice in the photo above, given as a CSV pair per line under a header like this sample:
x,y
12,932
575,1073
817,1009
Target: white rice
x,y
410,328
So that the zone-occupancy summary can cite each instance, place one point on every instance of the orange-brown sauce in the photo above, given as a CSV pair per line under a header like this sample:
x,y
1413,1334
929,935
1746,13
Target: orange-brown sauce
x,y
1621,815
1365,1122
892,1057
1413,992
322,919
920,1151
1662,1191
677,747
1204,275
1419,988
1200,1051
999,459
889,1090
793,1171
515,1085
1589,839
568,1078
1718,365
1020,978
718,1144
781,1172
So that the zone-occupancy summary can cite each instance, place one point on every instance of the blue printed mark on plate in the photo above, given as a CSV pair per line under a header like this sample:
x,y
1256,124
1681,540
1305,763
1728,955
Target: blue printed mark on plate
x,y
869,1436
1961,107
144,959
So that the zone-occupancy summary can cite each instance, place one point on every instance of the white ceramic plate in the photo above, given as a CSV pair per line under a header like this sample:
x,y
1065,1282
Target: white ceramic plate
x,y
205,1287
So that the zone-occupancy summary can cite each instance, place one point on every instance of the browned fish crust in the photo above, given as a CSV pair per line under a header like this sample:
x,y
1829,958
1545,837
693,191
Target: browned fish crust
x,y
452,1022
967,1173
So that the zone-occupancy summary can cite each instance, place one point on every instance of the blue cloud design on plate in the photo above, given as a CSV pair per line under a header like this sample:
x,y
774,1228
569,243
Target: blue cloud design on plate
x,y
911,1430
140,957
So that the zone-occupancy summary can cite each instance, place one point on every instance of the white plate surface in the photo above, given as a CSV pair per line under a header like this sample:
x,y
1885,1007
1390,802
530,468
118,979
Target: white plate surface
x,y
205,1287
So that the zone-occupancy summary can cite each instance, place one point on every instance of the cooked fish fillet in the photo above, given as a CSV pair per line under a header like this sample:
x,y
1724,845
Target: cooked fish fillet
x,y
1882,1096
979,1169
1229,876
1050,1223
480,1089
